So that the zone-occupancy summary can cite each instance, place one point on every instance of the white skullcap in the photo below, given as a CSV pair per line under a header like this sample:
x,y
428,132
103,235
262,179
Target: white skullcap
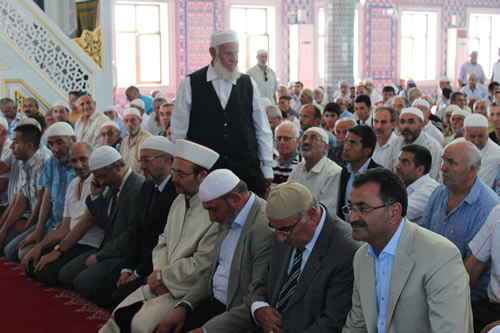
x,y
217,183
452,108
320,90
368,79
414,111
29,121
110,108
103,156
4,123
161,96
223,37
160,143
475,120
266,102
138,102
421,102
320,131
444,79
195,153
261,51
60,128
460,112
110,123
64,104
466,108
132,111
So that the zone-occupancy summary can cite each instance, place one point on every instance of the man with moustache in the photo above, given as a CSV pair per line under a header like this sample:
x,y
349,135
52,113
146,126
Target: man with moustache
x,y
111,134
384,123
88,125
340,130
136,135
220,108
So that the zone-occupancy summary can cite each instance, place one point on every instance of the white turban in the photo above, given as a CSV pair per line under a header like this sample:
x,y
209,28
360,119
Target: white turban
x,y
103,156
414,111
476,120
223,37
138,102
61,103
110,123
460,112
421,102
132,111
195,153
110,108
60,128
160,143
4,123
217,183
261,51
320,131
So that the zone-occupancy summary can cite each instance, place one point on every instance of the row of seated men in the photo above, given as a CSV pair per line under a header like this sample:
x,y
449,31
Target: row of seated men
x,y
106,247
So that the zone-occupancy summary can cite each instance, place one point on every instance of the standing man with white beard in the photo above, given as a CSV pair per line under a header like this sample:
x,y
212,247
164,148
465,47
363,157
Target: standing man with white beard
x,y
220,108
264,76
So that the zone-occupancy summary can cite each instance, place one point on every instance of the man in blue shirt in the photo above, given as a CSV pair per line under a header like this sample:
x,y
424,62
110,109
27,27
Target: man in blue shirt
x,y
458,208
133,92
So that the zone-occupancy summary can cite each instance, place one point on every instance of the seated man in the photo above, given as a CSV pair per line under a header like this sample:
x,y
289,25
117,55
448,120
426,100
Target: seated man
x,y
317,172
287,140
218,300
165,115
111,134
331,114
413,167
310,275
136,135
110,112
183,252
404,276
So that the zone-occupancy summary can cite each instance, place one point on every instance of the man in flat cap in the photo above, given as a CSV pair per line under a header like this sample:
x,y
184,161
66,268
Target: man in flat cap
x,y
111,134
184,249
88,125
153,204
217,302
264,76
136,135
309,285
220,108
113,193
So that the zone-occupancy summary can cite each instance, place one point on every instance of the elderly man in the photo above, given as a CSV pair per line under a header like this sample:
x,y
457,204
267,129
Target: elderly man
x,y
375,96
494,118
458,208
219,107
471,67
274,116
30,107
342,126
184,249
111,134
310,116
287,140
384,122
87,127
413,167
458,98
363,110
307,97
411,128
343,91
165,115
111,113
474,89
264,76
133,93
152,207
414,93
136,135
358,150
405,277
310,275
317,172
10,113
476,131
154,125
139,105
319,96
457,123
429,127
218,302
60,112
344,103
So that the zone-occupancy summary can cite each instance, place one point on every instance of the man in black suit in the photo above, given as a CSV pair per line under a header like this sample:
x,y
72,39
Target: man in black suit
x,y
153,204
358,149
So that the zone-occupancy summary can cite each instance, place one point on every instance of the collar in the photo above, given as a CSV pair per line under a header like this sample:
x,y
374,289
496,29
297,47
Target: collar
x,y
391,247
33,158
363,167
243,214
313,240
289,160
417,183
161,187
124,179
319,166
212,75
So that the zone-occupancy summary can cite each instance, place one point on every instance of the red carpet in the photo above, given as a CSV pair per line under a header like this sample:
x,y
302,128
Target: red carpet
x,y
28,306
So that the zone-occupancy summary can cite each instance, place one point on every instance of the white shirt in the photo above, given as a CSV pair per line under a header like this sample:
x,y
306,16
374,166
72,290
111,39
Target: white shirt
x,y
418,194
323,180
490,163
295,103
92,132
379,154
496,71
432,130
267,88
182,110
152,126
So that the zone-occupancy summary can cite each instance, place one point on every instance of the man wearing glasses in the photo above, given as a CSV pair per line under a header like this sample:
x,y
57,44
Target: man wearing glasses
x,y
287,140
404,276
310,276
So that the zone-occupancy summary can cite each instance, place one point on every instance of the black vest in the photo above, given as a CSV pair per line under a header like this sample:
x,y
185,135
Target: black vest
x,y
229,132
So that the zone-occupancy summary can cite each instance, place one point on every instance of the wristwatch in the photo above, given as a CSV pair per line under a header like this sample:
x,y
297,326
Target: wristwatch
x,y
58,249
184,305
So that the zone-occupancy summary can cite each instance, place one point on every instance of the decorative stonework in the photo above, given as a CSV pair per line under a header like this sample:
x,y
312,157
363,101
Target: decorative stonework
x,y
91,44
33,41
18,97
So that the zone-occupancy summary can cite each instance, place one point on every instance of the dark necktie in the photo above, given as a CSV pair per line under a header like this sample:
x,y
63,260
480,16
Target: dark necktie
x,y
291,280
113,206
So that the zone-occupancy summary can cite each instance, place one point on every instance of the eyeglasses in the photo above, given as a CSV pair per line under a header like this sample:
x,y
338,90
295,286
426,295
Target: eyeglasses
x,y
285,230
149,159
180,174
311,138
347,209
284,138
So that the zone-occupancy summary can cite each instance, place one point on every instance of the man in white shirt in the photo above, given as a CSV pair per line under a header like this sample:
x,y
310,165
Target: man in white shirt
x,y
429,128
384,122
264,76
88,126
413,167
496,70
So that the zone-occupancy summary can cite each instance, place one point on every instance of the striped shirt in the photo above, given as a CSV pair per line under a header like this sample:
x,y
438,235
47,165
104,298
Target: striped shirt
x,y
283,171
30,172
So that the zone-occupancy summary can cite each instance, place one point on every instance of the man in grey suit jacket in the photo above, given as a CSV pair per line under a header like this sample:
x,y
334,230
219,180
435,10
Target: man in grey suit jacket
x,y
311,292
406,278
219,300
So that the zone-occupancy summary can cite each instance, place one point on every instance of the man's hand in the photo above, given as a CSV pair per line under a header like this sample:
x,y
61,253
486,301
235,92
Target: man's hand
x,y
198,330
156,286
92,259
131,278
490,326
269,319
123,279
34,237
32,255
47,259
173,323
96,188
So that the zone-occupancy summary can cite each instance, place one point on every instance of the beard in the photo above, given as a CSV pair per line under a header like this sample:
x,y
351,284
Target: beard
x,y
223,73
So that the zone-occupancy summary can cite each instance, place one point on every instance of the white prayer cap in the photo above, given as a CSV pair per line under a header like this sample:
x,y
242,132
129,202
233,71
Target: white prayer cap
x,y
103,156
138,102
320,131
320,90
29,121
161,96
195,153
421,102
160,143
460,112
223,37
132,111
261,51
452,108
110,123
414,111
61,103
4,123
266,102
217,183
368,79
60,128
444,79
475,120
110,108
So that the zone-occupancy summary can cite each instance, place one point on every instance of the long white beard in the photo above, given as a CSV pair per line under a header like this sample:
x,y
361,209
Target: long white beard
x,y
224,73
